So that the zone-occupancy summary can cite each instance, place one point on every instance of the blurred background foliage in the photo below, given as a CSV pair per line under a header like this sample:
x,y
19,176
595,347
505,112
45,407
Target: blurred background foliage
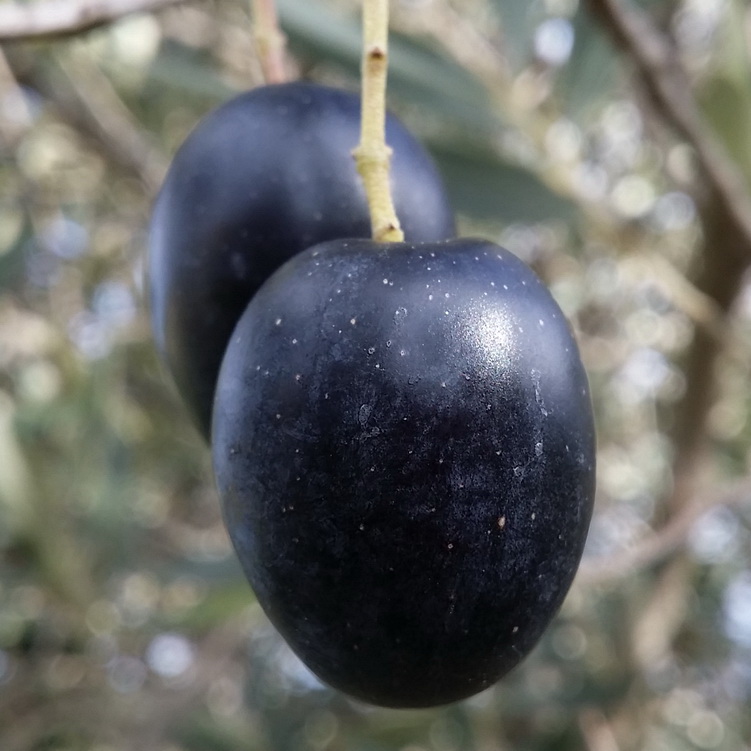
x,y
125,623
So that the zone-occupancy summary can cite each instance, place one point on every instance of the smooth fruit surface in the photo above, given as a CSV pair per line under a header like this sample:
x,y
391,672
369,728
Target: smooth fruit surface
x,y
404,449
260,179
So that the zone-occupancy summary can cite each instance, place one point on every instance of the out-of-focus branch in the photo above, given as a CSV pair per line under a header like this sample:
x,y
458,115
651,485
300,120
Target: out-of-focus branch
x,y
725,210
662,544
666,81
597,732
86,98
54,18
270,40
13,129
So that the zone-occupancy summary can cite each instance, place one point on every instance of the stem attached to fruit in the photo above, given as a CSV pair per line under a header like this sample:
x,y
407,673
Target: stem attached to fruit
x,y
270,40
372,154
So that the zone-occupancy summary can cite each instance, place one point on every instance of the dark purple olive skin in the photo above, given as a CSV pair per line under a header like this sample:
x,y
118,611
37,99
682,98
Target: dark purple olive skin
x,y
260,179
404,450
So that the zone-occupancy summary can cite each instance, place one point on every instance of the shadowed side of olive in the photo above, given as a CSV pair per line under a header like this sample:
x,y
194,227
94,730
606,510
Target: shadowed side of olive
x,y
260,179
404,449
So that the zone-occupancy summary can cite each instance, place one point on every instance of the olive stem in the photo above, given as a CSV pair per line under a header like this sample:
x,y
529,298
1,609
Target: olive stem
x,y
270,40
372,155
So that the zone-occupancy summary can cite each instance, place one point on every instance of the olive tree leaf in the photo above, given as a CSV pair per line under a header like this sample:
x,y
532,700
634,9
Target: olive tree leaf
x,y
724,97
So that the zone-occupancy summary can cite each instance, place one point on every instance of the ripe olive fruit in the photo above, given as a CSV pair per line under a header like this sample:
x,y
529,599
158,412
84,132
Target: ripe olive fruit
x,y
260,179
404,450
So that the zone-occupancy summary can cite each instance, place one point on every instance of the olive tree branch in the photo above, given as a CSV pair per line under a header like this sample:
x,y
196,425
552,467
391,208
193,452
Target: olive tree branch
x,y
725,212
597,731
665,542
270,40
372,154
13,129
669,88
55,18
86,99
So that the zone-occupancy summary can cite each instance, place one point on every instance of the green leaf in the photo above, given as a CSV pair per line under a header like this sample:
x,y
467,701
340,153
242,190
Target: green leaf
x,y
518,22
179,67
590,75
724,97
484,186
418,74
15,234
